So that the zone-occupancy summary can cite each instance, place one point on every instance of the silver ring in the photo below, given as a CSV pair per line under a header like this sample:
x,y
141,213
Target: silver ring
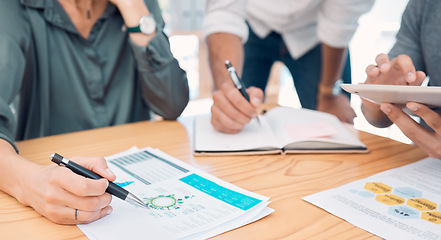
x,y
76,214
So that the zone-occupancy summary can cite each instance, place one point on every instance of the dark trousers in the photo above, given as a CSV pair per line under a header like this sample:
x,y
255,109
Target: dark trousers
x,y
260,54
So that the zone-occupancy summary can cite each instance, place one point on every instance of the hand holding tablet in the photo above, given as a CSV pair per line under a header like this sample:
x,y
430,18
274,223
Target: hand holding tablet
x,y
397,94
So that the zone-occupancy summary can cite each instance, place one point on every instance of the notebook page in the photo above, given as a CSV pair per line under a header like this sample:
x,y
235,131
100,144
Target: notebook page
x,y
254,136
315,127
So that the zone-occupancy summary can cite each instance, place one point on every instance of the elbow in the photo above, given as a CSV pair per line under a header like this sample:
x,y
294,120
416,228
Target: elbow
x,y
179,103
176,110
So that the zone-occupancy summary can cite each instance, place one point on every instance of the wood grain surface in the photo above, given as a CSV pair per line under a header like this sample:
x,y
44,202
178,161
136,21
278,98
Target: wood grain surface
x,y
284,178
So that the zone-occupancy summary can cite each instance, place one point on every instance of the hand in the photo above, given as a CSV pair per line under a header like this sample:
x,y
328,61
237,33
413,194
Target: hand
x,y
399,71
427,140
231,111
55,192
132,11
137,8
338,105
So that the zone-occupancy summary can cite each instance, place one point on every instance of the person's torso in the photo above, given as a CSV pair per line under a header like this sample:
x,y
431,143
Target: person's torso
x,y
74,83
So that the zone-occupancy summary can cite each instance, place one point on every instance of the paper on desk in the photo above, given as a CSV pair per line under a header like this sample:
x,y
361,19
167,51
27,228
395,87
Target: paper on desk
x,y
315,129
401,203
185,203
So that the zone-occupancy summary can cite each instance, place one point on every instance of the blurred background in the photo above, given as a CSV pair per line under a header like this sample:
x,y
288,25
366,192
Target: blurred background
x,y
376,34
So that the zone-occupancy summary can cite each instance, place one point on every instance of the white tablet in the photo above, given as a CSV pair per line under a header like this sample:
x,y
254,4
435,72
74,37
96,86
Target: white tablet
x,y
398,94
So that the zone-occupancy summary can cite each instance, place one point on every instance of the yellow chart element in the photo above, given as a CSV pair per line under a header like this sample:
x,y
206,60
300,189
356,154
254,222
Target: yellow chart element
x,y
390,199
434,217
384,195
422,204
377,187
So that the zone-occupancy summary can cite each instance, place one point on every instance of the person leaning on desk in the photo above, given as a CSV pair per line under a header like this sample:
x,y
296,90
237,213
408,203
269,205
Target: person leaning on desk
x,y
310,36
416,53
74,67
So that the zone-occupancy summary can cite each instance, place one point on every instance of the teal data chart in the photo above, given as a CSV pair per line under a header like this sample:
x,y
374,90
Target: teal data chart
x,y
226,195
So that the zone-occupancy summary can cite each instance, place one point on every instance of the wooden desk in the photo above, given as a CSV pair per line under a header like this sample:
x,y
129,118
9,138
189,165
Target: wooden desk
x,y
283,178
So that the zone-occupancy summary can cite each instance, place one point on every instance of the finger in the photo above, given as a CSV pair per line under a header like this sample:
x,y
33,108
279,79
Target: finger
x,y
76,184
239,102
57,195
346,119
421,76
84,217
408,126
383,62
222,122
373,73
256,96
65,198
405,65
372,70
97,165
228,106
429,116
66,215
349,117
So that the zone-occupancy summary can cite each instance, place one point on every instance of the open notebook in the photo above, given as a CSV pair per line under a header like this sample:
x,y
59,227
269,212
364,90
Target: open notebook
x,y
281,130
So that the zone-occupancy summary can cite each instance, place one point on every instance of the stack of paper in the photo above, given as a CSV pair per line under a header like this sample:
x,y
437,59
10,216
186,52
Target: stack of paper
x,y
185,203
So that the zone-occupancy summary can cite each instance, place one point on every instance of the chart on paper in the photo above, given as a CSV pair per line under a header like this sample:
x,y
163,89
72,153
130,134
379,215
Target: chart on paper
x,y
148,168
183,201
401,203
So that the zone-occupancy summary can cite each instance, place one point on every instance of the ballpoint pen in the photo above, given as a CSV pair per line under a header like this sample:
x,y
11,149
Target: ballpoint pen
x,y
113,189
238,82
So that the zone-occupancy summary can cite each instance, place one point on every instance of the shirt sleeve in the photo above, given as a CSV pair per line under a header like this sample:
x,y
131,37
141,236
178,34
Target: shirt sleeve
x,y
338,20
14,43
226,16
164,83
408,37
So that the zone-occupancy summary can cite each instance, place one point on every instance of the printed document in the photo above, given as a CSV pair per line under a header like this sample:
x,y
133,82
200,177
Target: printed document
x,y
401,203
184,202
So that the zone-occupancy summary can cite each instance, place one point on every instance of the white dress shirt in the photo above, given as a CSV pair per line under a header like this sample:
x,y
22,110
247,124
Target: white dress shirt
x,y
301,23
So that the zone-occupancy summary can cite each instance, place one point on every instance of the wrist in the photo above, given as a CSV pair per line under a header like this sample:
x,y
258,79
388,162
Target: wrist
x,y
15,173
330,90
132,11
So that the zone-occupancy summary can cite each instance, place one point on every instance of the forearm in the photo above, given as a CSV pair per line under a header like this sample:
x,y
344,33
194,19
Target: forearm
x,y
164,83
166,90
333,61
221,47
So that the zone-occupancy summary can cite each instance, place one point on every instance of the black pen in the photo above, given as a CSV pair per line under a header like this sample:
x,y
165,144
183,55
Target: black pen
x,y
113,189
238,82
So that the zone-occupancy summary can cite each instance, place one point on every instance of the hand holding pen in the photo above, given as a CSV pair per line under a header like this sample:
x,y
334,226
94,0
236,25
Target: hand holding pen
x,y
236,80
112,188
238,83
233,107
64,197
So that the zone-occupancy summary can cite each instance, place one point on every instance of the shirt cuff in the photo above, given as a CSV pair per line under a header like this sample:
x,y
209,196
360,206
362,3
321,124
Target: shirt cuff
x,y
225,22
338,20
155,55
6,138
336,35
